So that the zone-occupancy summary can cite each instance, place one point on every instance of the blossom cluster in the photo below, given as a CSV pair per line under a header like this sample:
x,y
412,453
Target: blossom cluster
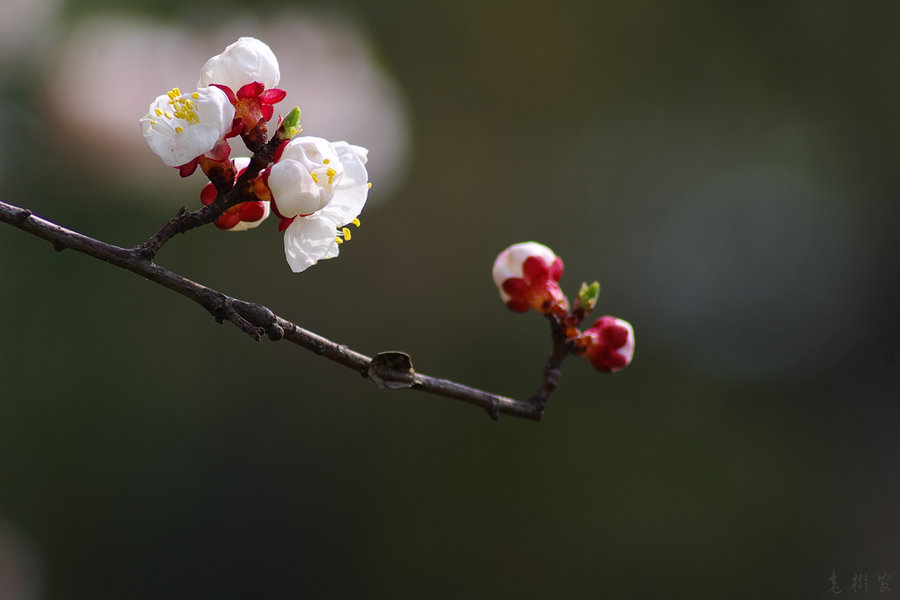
x,y
316,188
527,275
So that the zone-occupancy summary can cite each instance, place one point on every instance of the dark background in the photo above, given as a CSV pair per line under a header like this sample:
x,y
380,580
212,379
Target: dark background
x,y
727,170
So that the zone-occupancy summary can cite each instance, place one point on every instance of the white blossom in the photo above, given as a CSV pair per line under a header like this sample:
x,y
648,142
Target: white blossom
x,y
323,187
180,127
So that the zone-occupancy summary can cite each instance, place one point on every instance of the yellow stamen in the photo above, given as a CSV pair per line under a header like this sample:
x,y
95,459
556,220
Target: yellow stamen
x,y
339,240
195,96
326,161
179,129
355,222
370,185
346,233
168,114
158,112
315,177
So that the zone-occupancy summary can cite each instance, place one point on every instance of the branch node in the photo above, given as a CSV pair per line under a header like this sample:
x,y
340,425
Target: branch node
x,y
392,370
22,216
493,409
255,313
275,332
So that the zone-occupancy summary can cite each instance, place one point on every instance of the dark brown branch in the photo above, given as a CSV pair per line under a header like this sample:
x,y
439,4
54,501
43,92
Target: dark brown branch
x,y
390,370
552,372
185,221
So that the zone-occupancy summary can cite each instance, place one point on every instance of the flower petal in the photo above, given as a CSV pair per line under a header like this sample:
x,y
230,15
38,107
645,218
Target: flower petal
x,y
248,60
351,194
308,240
294,191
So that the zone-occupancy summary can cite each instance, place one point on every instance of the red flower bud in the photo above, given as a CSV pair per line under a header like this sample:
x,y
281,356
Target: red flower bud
x,y
608,344
526,275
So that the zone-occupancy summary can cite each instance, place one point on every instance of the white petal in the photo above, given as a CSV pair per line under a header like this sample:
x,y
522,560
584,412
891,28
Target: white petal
x,y
312,152
350,196
214,108
509,262
248,60
343,148
308,240
293,189
627,351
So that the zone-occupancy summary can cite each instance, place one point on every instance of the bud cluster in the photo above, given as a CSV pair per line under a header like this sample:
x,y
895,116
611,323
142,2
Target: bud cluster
x,y
527,275
316,187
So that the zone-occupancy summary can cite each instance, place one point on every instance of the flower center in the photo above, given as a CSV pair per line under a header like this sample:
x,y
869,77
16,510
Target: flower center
x,y
182,108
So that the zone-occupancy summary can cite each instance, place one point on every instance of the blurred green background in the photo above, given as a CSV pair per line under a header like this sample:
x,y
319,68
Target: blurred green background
x,y
727,170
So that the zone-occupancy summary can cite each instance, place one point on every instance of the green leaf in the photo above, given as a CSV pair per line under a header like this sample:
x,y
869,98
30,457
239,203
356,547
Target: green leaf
x,y
587,297
290,125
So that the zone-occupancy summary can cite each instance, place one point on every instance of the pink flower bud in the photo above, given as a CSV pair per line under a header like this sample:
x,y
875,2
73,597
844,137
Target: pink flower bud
x,y
609,344
526,275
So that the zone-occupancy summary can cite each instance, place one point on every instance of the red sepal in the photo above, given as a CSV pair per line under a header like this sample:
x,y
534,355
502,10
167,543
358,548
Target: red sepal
x,y
228,93
208,194
272,96
187,168
285,223
228,220
251,90
556,269
518,306
251,211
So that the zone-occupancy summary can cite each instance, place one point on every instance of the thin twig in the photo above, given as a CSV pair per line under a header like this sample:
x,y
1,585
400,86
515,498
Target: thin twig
x,y
390,370
185,221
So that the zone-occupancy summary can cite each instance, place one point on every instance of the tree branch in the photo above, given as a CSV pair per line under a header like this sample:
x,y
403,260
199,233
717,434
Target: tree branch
x,y
185,221
389,370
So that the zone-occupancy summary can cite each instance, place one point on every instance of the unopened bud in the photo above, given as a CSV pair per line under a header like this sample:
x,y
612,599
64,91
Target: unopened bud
x,y
608,344
526,275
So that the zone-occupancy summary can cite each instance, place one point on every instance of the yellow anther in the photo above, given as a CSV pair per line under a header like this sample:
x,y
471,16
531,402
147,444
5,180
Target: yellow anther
x,y
346,233
355,222
315,177
331,172
168,114
370,185
158,112
326,161
339,240
179,129
177,91
195,96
